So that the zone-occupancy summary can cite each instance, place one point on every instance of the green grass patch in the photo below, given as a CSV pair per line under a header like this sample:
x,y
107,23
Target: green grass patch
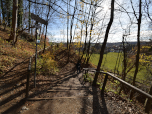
x,y
109,62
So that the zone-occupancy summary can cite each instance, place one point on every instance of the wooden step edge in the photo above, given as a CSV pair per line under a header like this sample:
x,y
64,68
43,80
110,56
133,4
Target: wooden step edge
x,y
69,87
65,90
37,99
61,85
72,84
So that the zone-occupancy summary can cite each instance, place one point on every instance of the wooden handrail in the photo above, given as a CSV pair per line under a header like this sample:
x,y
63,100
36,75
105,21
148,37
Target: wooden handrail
x,y
124,82
147,102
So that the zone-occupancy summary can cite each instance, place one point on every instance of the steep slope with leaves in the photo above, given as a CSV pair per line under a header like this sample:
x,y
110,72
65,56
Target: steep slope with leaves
x,y
10,56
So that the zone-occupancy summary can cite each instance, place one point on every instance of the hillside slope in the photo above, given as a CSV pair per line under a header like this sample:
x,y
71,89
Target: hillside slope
x,y
10,56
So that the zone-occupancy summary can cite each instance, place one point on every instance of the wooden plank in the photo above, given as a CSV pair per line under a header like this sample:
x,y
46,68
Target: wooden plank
x,y
64,86
148,102
69,89
37,18
28,77
104,84
52,98
125,83
65,90
89,68
72,85
131,86
57,90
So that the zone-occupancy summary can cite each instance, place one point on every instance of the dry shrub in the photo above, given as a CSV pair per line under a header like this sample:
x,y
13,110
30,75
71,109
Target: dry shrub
x,y
46,64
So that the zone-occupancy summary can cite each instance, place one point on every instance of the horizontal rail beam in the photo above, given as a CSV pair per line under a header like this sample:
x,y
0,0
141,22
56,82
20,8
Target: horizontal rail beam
x,y
125,83
73,97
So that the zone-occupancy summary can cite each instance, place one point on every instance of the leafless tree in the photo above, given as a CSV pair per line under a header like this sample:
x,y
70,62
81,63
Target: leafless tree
x,y
138,43
14,21
104,43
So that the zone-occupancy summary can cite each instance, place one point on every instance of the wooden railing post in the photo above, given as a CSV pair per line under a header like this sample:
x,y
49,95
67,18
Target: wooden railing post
x,y
148,102
82,72
28,77
85,74
104,84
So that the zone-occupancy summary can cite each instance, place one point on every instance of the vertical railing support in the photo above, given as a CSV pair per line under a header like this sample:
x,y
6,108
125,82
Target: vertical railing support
x,y
35,58
28,77
148,102
104,84
85,74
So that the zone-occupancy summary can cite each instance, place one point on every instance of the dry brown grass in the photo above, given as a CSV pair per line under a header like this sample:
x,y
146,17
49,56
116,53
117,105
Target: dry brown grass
x,y
9,55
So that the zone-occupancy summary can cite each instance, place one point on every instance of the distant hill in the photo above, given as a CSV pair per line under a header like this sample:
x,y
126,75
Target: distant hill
x,y
110,44
131,43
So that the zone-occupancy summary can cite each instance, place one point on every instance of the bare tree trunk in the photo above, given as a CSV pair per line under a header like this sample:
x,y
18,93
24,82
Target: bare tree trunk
x,y
40,35
91,30
72,24
88,49
86,31
138,51
117,62
3,14
45,40
124,66
2,8
14,21
32,28
46,30
29,16
71,30
67,25
124,61
104,43
81,38
85,44
43,32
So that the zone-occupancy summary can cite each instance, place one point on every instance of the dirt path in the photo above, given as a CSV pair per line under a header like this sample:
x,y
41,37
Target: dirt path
x,y
71,97
74,96
64,93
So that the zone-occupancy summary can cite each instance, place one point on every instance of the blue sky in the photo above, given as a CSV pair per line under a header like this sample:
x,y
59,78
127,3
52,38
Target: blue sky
x,y
57,28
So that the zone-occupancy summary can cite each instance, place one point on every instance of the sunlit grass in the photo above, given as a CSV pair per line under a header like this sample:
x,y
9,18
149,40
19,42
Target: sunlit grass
x,y
109,62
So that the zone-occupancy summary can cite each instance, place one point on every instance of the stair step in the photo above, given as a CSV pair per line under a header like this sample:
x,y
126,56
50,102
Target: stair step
x,y
37,99
64,85
65,90
68,89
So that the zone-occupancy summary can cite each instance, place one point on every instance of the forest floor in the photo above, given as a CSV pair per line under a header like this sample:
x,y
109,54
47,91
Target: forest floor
x,y
63,93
